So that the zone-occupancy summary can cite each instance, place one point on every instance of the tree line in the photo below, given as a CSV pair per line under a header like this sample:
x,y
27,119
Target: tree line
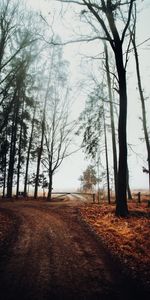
x,y
35,129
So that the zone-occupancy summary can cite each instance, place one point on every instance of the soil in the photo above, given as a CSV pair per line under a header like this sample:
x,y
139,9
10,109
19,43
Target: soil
x,y
48,253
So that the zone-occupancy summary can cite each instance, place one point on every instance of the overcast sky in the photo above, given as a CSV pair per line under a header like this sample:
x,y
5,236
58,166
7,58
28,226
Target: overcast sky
x,y
73,166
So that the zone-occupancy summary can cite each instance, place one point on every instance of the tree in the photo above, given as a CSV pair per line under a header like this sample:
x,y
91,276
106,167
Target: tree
x,y
16,39
18,117
141,93
111,115
106,14
3,158
19,73
42,181
55,127
43,123
91,123
39,153
30,145
94,129
58,138
88,179
15,117
106,155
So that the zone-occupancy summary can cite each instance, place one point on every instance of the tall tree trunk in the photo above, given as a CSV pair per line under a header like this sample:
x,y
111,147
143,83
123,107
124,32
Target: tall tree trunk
x,y
28,154
12,151
121,199
19,154
50,170
98,182
144,120
40,150
42,136
10,165
5,172
5,167
107,162
2,45
111,118
4,182
50,186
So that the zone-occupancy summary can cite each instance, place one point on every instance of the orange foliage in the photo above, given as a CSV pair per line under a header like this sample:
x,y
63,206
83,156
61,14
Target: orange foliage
x,y
128,239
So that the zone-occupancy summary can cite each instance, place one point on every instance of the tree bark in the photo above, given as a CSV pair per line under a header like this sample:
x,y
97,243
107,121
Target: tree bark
x,y
12,149
106,156
50,186
19,154
144,120
28,154
40,150
5,172
111,118
121,199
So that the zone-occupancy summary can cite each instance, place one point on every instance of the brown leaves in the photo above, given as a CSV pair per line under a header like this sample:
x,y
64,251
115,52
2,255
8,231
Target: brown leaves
x,y
127,239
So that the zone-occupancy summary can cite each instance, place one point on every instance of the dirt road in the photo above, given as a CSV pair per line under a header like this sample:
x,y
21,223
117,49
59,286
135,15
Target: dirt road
x,y
50,254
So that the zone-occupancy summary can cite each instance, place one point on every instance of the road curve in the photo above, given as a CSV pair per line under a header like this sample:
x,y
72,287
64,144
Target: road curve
x,y
52,255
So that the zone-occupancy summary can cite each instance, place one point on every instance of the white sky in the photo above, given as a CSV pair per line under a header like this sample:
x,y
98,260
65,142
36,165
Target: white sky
x,y
71,169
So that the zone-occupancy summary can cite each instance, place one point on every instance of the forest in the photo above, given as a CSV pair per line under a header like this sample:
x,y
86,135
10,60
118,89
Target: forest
x,y
71,80
36,128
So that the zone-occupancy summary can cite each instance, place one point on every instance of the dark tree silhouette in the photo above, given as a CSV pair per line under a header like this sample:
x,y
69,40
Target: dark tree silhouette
x,y
106,13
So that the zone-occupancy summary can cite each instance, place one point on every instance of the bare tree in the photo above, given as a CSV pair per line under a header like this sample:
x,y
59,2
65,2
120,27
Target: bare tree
x,y
141,92
40,151
56,83
109,84
105,13
106,156
29,151
13,38
59,133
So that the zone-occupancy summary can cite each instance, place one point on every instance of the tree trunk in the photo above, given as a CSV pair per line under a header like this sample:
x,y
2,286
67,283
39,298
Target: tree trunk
x,y
28,154
98,182
5,171
107,162
19,154
42,138
12,151
111,118
121,199
2,45
40,150
144,120
50,186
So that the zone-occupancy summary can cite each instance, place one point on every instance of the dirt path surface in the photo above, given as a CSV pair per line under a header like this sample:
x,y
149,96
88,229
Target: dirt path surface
x,y
50,254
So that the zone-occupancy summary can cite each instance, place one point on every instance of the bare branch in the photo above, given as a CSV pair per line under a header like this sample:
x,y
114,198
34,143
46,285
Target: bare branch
x,y
86,39
128,21
16,52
